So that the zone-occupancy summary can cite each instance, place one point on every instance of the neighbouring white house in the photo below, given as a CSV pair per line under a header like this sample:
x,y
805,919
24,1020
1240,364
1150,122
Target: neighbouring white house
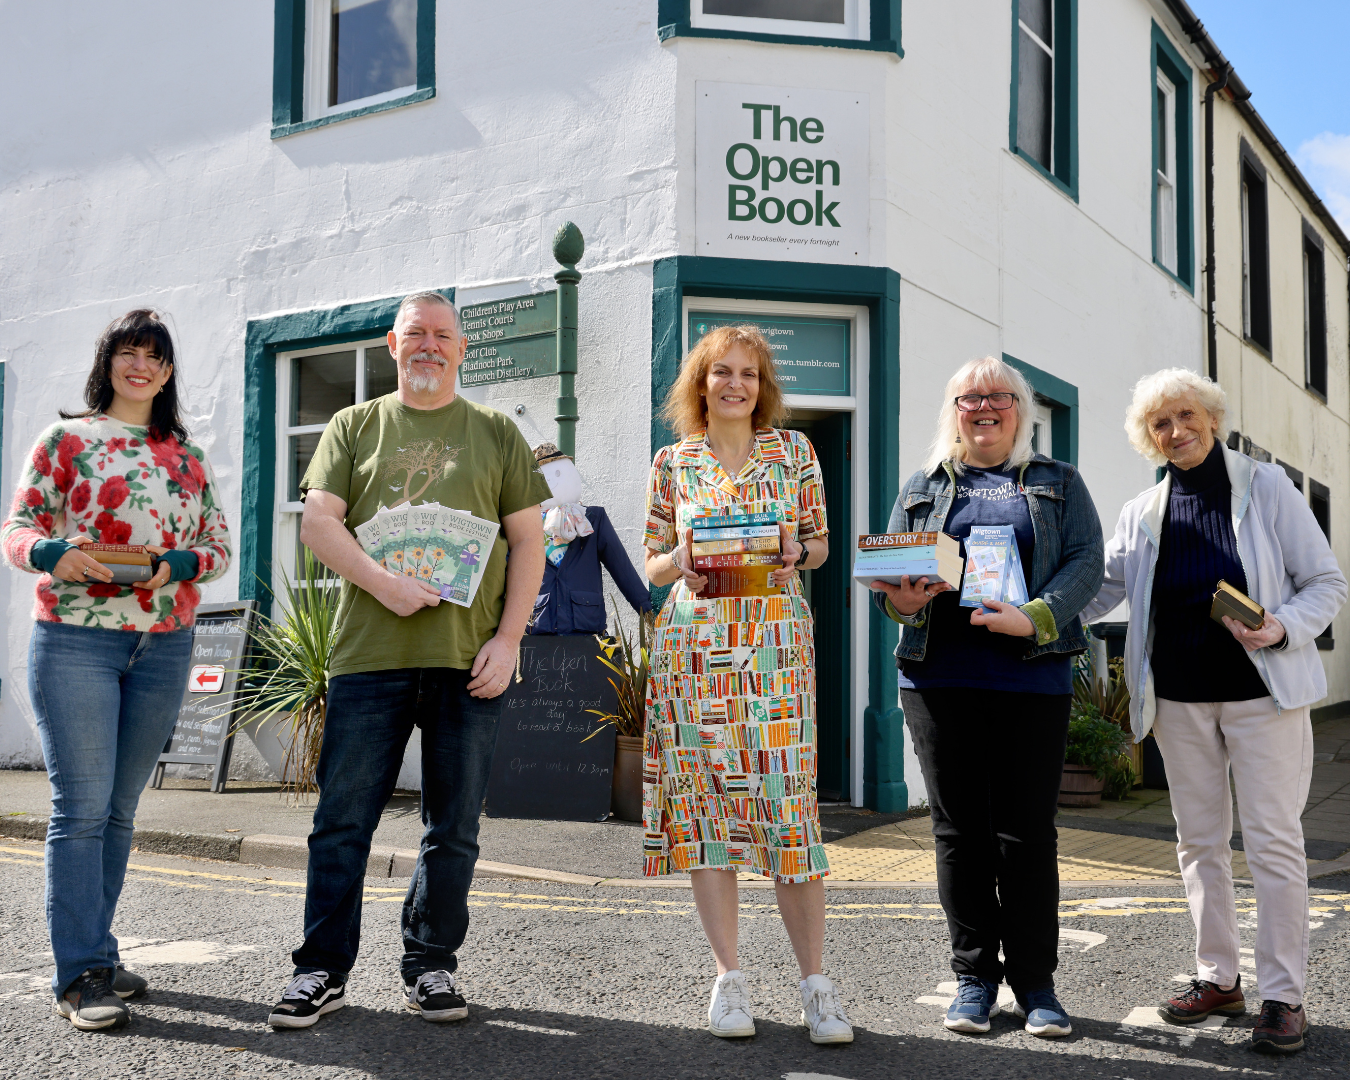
x,y
888,193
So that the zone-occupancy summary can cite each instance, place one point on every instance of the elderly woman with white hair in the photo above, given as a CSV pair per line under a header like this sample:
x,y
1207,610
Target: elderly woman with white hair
x,y
1220,696
986,696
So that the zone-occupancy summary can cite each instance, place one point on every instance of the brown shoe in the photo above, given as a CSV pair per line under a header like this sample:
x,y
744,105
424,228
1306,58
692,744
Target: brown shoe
x,y
1280,1028
1201,999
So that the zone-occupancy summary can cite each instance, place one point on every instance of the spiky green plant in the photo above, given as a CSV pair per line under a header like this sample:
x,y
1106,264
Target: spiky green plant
x,y
630,717
288,674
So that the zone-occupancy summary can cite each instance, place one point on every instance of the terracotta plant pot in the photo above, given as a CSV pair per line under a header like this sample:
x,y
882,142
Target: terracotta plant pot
x,y
1079,787
626,800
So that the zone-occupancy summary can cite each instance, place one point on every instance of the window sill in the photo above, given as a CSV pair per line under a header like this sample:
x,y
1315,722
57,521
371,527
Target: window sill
x,y
1320,395
1071,190
1264,350
687,30
1179,280
280,131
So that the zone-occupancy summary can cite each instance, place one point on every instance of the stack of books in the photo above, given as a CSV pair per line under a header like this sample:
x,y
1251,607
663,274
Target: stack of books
x,y
736,553
993,568
128,562
889,557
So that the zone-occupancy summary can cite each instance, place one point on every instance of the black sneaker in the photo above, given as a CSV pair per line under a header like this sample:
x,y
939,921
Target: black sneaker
x,y
435,996
307,998
90,1004
127,984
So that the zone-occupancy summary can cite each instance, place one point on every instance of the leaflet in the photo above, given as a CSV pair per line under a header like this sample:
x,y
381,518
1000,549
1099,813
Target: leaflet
x,y
993,569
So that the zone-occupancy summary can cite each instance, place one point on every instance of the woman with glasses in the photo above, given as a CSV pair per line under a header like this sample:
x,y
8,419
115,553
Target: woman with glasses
x,y
108,661
986,695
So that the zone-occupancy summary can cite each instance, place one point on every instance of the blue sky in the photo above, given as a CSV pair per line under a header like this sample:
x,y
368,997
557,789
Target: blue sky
x,y
1292,54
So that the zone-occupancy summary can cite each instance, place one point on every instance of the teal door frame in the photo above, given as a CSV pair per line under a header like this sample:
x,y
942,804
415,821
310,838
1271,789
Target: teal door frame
x,y
878,290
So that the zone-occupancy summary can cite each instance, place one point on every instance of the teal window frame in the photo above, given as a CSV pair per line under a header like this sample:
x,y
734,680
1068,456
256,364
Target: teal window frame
x,y
1062,399
673,21
877,289
288,70
264,338
1064,149
1166,58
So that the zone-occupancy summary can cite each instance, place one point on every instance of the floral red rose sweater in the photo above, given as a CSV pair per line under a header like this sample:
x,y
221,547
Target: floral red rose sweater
x,y
99,477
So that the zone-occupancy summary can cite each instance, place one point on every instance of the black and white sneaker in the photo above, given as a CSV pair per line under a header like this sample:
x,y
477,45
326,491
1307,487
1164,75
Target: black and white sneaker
x,y
307,998
436,997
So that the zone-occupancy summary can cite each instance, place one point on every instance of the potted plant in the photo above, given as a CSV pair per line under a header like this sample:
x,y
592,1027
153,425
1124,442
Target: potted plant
x,y
287,677
1111,697
1095,757
630,717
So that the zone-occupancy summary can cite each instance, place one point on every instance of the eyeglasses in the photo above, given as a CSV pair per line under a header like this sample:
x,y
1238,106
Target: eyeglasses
x,y
974,402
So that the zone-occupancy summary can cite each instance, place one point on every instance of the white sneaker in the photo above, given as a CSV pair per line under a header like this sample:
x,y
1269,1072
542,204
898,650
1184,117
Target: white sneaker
x,y
822,1013
729,1010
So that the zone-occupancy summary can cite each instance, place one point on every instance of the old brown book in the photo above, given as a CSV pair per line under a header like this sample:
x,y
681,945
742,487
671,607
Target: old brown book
x,y
123,554
1236,605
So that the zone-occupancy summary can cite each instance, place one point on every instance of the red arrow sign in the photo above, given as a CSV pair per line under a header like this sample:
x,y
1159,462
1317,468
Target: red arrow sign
x,y
206,678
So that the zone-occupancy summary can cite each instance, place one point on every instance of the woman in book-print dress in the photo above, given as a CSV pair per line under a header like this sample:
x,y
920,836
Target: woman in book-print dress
x,y
730,764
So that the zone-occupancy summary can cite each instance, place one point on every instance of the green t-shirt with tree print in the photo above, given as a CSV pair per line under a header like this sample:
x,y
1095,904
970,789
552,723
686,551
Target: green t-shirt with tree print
x,y
466,456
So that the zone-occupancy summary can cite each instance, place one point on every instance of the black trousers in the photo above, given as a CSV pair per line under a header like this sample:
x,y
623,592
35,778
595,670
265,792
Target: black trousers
x,y
991,761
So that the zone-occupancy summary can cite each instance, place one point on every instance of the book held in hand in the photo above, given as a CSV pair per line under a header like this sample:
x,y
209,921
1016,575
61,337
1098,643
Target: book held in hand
x,y
129,563
1236,605
889,557
736,552
993,569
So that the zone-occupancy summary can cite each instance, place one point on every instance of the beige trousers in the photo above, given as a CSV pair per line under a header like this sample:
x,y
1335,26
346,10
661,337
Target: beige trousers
x,y
1271,756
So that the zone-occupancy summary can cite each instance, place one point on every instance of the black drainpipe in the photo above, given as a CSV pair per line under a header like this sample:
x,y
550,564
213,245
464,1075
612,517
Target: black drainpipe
x,y
1212,89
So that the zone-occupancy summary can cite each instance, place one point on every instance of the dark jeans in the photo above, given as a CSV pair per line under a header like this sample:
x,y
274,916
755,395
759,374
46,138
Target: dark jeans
x,y
991,761
370,718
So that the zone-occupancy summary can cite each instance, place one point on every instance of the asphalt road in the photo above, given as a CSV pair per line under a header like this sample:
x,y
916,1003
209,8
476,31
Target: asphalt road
x,y
568,981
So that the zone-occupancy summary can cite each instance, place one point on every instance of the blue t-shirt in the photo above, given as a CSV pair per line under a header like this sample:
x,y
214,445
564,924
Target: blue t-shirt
x,y
959,654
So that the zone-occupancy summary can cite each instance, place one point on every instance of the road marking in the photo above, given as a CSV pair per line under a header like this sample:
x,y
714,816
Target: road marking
x,y
1146,1016
183,952
529,1027
1082,940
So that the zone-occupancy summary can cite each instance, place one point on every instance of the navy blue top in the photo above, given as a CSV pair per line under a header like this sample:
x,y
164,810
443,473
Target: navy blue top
x,y
960,654
1193,657
571,599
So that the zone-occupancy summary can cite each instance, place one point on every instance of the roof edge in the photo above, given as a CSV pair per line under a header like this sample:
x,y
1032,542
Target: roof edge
x,y
1195,30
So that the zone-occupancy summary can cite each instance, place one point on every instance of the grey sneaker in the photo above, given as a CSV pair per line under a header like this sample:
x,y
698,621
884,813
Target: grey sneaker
x,y
127,984
90,1003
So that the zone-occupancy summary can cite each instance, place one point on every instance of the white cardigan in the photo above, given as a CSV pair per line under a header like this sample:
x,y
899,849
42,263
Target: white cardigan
x,y
1291,572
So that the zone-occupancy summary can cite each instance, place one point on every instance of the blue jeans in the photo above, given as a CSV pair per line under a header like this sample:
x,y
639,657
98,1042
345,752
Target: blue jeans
x,y
369,720
106,702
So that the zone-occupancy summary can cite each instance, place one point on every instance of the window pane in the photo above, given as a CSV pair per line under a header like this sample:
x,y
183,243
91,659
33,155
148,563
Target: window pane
x,y
1037,16
822,11
299,453
321,385
374,48
1161,148
381,378
1034,99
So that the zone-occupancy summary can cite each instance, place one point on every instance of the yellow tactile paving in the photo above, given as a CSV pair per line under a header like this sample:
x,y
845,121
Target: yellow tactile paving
x,y
904,852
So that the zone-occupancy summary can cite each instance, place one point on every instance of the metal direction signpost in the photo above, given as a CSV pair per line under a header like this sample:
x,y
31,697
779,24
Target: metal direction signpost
x,y
529,337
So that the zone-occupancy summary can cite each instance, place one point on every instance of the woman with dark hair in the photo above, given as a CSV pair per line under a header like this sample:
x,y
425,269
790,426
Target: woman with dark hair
x,y
108,662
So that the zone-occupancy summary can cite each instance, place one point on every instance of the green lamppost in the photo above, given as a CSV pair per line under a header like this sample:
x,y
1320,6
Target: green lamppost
x,y
568,246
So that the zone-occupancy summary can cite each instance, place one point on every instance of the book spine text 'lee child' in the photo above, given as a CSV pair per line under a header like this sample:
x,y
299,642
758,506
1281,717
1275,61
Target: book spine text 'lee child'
x,y
711,562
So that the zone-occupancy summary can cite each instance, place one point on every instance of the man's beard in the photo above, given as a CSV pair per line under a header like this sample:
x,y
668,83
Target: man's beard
x,y
422,384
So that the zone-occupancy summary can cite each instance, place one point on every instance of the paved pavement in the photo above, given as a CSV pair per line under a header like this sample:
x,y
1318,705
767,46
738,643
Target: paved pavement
x,y
610,982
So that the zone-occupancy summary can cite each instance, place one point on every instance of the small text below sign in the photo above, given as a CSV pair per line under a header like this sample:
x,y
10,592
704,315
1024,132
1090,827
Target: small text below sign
x,y
206,679
521,358
513,317
810,354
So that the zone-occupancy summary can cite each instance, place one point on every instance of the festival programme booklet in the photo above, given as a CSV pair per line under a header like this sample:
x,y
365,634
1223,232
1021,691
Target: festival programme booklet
x,y
736,553
368,536
393,536
891,556
422,520
993,569
468,545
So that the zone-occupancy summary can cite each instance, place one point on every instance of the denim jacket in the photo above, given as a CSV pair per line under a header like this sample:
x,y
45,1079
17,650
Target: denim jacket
x,y
1067,562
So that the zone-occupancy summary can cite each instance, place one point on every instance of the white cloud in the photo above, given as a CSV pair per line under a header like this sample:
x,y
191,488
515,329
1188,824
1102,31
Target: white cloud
x,y
1325,160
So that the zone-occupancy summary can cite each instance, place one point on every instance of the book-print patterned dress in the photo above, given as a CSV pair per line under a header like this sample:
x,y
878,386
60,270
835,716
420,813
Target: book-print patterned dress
x,y
729,773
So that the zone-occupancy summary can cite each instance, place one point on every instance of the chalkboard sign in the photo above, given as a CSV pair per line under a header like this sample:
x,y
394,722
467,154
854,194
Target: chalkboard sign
x,y
202,736
542,769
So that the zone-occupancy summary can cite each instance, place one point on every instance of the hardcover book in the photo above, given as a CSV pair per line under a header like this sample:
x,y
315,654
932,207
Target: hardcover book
x,y
1236,605
731,519
761,558
730,547
735,532
129,563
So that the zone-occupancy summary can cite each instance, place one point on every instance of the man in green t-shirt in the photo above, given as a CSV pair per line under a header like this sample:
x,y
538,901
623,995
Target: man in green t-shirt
x,y
403,657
